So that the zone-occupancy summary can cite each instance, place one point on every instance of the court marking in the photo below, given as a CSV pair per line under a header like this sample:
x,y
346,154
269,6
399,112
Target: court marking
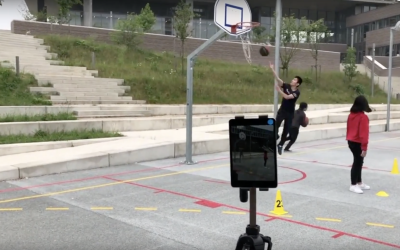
x,y
190,210
10,209
336,235
145,169
328,219
332,148
110,184
101,208
233,212
379,225
146,208
57,208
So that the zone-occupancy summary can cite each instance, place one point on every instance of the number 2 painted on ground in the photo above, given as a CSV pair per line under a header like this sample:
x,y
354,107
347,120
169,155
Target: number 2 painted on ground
x,y
279,203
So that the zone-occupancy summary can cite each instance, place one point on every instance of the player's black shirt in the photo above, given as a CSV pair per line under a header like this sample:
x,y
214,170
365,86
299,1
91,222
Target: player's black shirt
x,y
289,105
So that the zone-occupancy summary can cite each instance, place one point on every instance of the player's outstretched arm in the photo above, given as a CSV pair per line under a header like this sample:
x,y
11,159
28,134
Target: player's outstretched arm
x,y
280,82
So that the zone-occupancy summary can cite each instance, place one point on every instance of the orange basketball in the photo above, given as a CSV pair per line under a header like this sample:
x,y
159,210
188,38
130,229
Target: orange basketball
x,y
306,121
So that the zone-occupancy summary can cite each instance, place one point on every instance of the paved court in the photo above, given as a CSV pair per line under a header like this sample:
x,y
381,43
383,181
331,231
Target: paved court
x,y
162,205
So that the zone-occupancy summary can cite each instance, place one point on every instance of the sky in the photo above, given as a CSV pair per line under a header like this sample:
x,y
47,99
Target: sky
x,y
11,10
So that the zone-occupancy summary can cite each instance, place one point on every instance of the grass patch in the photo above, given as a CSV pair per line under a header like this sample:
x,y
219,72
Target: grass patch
x,y
43,136
35,118
14,90
156,77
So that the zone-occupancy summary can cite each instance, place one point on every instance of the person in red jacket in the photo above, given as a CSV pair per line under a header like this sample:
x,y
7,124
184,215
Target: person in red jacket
x,y
357,137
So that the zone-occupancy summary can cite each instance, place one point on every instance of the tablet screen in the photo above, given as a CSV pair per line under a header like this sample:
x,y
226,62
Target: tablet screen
x,y
253,152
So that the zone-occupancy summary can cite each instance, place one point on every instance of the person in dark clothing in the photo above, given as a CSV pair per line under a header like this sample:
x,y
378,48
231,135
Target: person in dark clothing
x,y
357,137
265,157
298,120
290,93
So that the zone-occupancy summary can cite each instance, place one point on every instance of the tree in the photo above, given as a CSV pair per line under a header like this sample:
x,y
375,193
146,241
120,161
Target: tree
x,y
349,63
316,32
182,18
259,34
1,1
292,34
146,18
64,7
128,32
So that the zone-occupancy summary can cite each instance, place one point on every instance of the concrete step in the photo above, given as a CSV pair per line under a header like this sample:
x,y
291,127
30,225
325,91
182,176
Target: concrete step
x,y
44,90
19,41
8,33
29,56
65,68
31,53
86,85
89,94
25,47
59,73
109,89
80,102
78,80
110,113
91,98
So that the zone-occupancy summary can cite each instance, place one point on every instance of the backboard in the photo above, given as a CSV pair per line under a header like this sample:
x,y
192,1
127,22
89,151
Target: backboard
x,y
231,12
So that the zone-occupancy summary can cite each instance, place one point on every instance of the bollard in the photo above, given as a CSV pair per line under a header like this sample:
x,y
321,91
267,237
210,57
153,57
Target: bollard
x,y
398,96
17,65
93,60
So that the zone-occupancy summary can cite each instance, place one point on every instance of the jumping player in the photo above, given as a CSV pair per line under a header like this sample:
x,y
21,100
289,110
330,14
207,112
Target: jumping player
x,y
290,93
298,120
265,157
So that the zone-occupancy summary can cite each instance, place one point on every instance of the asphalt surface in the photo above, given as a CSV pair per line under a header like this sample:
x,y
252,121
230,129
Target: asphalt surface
x,y
164,205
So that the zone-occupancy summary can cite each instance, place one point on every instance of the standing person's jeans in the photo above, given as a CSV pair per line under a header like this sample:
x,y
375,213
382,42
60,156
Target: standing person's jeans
x,y
358,162
287,117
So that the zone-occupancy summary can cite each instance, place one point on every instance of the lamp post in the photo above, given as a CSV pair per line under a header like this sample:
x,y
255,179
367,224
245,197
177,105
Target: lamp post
x,y
389,91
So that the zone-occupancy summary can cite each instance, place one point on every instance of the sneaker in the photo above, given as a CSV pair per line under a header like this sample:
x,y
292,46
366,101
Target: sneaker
x,y
364,186
356,189
280,149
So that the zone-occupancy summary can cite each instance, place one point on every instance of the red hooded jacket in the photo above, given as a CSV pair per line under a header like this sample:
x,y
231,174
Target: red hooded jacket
x,y
358,129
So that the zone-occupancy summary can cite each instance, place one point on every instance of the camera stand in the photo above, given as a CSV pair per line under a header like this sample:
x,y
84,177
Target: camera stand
x,y
252,239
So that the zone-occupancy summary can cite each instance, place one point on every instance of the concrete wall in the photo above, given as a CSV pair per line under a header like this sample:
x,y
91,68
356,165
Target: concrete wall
x,y
221,50
384,61
373,15
381,37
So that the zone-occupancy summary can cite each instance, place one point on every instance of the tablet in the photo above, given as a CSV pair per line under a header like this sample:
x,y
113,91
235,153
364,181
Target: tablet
x,y
253,153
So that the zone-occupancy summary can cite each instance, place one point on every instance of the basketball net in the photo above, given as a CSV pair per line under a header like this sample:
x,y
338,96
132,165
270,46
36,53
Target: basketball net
x,y
246,44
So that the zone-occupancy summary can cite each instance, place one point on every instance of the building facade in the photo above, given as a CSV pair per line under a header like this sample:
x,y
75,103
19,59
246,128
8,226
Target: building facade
x,y
341,16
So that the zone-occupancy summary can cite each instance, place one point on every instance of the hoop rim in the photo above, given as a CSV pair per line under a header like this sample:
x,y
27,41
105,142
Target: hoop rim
x,y
249,25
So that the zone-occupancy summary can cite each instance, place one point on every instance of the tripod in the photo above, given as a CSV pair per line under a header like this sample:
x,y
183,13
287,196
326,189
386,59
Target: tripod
x,y
252,239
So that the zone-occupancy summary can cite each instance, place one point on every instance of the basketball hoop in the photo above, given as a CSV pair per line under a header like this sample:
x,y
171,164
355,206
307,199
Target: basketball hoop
x,y
245,28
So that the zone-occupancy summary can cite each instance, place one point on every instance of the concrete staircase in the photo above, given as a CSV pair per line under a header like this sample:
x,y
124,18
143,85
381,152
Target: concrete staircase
x,y
66,85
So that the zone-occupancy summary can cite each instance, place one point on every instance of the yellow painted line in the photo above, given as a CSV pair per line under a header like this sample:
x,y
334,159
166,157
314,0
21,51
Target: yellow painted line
x,y
111,184
146,208
102,208
285,215
337,147
10,209
57,208
328,219
190,210
232,212
379,225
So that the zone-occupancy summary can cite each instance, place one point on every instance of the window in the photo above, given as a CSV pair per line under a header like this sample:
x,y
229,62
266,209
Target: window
x,y
358,10
322,14
372,8
392,21
312,15
365,8
294,12
372,26
266,12
303,13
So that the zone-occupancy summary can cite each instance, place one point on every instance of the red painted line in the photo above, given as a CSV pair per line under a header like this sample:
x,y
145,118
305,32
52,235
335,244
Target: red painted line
x,y
303,176
209,204
337,232
270,219
160,191
100,176
334,164
337,235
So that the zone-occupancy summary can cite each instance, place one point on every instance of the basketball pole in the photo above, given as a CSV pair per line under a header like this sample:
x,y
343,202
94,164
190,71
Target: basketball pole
x,y
189,93
278,13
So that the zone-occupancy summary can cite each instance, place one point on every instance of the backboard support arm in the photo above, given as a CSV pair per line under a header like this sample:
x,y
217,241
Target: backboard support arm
x,y
189,93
